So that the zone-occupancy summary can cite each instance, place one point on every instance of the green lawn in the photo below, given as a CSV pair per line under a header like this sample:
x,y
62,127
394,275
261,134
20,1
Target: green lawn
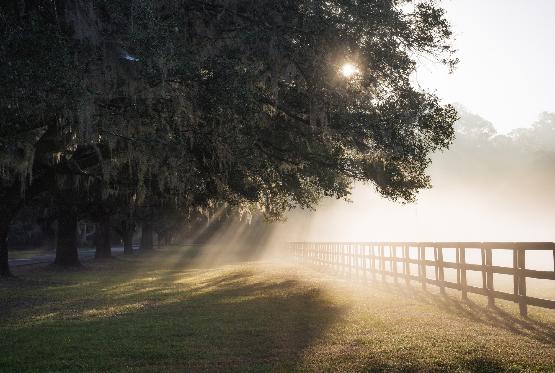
x,y
160,314
25,254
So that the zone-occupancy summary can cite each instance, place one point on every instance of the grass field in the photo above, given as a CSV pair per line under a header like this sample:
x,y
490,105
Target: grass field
x,y
160,313
25,254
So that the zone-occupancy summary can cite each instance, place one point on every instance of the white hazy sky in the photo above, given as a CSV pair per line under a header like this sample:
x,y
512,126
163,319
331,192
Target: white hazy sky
x,y
506,75
507,53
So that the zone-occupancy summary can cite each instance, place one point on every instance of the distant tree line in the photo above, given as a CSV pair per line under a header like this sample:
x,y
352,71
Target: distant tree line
x,y
131,113
512,168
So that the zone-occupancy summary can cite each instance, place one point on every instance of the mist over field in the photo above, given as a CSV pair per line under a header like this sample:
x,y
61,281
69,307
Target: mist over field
x,y
486,187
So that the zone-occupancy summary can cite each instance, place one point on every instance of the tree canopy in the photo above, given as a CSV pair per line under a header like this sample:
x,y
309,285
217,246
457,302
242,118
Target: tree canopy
x,y
194,103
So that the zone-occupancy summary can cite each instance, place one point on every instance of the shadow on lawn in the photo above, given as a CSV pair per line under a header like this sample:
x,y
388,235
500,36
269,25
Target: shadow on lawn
x,y
236,321
475,365
494,316
481,313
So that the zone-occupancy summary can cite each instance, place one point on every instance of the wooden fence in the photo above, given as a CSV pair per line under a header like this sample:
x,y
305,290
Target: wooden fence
x,y
393,260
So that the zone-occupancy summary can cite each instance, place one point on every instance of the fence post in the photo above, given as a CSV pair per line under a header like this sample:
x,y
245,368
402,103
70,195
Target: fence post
x,y
522,282
342,255
357,262
364,262
333,257
406,265
337,257
515,275
457,265
382,262
440,270
393,261
489,279
436,266
351,260
406,251
348,260
340,258
422,265
315,252
330,255
354,260
373,263
484,278
462,265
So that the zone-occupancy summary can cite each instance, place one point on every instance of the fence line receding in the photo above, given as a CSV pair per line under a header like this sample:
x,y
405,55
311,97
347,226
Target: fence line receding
x,y
393,260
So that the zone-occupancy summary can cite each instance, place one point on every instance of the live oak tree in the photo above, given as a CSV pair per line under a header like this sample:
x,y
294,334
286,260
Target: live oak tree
x,y
223,101
288,126
37,87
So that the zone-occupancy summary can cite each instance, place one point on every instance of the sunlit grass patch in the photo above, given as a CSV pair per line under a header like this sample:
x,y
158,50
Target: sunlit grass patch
x,y
112,311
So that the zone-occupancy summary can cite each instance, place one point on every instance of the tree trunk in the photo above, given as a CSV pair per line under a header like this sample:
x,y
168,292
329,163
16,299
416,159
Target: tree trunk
x,y
67,253
11,200
128,243
50,230
165,237
127,236
146,237
10,203
104,239
4,263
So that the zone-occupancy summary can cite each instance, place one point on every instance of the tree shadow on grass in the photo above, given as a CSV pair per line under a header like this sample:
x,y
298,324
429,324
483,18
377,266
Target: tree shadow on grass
x,y
490,315
475,364
233,322
30,294
542,331
484,365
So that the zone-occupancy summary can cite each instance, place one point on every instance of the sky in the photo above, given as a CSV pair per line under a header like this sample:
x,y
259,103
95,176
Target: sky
x,y
507,76
506,49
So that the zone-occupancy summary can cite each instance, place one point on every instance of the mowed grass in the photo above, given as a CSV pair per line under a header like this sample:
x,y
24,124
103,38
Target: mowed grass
x,y
160,313
25,254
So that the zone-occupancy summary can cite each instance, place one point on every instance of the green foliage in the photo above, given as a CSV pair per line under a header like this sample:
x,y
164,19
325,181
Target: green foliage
x,y
195,103
38,86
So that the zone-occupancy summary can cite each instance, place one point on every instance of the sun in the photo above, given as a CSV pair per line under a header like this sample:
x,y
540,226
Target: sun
x,y
348,70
